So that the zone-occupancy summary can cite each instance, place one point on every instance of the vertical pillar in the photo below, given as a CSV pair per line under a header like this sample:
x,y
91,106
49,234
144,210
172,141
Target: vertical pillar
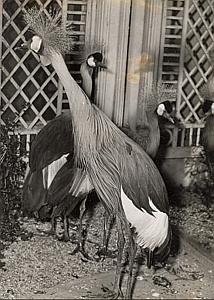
x,y
151,48
135,59
143,57
108,25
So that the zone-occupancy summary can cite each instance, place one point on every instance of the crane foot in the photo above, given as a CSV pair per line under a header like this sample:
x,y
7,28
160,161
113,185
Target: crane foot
x,y
107,294
80,249
102,253
64,238
49,232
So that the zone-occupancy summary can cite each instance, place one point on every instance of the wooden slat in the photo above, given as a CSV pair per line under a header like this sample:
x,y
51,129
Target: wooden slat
x,y
182,55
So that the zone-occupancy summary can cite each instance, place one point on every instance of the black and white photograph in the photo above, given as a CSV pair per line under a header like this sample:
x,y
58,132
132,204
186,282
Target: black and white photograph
x,y
106,149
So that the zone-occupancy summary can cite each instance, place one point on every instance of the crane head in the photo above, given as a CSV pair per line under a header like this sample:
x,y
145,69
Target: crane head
x,y
166,109
36,45
94,60
208,107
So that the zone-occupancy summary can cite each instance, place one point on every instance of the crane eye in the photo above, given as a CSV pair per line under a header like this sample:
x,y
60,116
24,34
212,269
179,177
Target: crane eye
x,y
207,106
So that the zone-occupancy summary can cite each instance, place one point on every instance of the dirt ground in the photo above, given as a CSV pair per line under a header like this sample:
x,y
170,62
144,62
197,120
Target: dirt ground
x,y
190,276
37,266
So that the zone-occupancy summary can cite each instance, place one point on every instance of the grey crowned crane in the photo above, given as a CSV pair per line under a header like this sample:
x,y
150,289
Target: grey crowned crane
x,y
49,153
208,134
148,135
207,141
124,177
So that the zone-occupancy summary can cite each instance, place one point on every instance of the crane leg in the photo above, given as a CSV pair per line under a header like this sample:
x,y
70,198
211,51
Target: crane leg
x,y
52,230
106,233
116,292
53,226
120,244
132,253
103,251
81,235
65,237
80,243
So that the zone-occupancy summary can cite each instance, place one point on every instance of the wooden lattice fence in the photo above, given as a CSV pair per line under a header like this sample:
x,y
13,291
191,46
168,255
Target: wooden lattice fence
x,y
31,94
187,37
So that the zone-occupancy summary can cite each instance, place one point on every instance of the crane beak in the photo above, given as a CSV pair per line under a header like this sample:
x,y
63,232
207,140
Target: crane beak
x,y
167,116
23,47
101,65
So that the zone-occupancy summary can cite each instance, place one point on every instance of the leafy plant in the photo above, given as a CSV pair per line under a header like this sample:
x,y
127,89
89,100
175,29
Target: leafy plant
x,y
12,168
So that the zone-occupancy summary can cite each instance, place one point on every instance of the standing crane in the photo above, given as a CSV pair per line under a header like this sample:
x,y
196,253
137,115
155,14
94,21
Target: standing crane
x,y
158,103
124,177
208,133
48,155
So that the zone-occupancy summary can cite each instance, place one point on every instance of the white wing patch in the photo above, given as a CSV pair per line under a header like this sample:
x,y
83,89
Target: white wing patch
x,y
50,172
151,230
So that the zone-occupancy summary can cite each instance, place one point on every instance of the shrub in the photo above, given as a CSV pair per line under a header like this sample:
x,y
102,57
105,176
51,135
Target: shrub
x,y
12,168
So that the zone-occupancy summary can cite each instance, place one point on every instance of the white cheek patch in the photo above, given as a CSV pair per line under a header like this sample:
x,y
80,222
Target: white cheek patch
x,y
212,108
160,109
36,43
91,62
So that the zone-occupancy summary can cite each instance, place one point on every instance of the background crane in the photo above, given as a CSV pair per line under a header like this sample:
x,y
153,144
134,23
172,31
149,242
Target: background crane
x,y
159,102
41,193
123,175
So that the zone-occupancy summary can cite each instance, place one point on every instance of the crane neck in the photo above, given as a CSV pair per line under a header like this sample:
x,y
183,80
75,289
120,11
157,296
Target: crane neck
x,y
87,81
84,115
94,85
79,102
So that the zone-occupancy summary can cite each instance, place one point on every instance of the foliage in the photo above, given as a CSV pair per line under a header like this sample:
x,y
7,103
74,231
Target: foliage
x,y
12,168
201,181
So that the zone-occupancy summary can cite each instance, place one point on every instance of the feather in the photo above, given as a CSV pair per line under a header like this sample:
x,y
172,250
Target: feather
x,y
47,145
208,135
208,142
70,181
55,35
34,193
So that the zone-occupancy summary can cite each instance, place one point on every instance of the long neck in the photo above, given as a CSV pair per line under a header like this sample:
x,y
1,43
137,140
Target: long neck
x,y
79,102
83,113
94,85
87,82
154,133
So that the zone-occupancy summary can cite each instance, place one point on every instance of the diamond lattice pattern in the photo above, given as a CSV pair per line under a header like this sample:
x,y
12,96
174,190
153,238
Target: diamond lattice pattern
x,y
30,93
197,63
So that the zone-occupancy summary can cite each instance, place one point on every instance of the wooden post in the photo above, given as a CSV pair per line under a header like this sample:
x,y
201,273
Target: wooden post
x,y
134,63
60,86
108,25
144,48
150,52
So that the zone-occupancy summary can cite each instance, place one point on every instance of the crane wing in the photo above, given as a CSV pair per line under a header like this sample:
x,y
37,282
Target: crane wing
x,y
54,140
141,180
34,193
70,180
141,138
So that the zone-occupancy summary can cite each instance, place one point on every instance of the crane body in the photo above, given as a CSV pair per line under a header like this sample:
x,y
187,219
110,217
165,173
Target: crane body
x,y
119,170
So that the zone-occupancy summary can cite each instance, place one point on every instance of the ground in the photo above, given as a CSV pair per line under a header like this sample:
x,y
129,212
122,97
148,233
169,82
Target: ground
x,y
37,266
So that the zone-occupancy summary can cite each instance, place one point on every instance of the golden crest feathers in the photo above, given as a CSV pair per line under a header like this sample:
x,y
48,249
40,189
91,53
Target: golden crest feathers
x,y
49,26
